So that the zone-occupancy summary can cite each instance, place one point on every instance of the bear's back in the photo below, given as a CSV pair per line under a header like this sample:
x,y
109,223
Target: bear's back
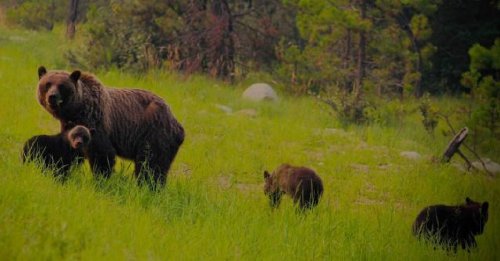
x,y
300,181
43,146
53,150
301,175
136,117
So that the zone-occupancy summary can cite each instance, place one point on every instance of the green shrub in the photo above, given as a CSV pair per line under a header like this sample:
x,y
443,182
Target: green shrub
x,y
386,112
37,15
483,79
113,39
429,113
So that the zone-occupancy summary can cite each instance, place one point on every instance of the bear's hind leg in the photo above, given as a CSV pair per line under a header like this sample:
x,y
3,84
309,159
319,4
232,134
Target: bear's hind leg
x,y
142,171
148,171
308,198
153,163
146,175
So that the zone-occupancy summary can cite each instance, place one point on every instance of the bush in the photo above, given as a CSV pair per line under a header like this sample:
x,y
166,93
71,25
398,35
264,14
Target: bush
x,y
37,15
429,113
350,108
118,37
386,112
483,79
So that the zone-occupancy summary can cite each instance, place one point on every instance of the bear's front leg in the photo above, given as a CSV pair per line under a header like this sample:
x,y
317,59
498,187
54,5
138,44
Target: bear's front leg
x,y
101,154
275,199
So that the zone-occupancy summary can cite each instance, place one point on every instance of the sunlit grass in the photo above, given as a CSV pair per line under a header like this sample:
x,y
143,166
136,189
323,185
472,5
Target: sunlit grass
x,y
213,206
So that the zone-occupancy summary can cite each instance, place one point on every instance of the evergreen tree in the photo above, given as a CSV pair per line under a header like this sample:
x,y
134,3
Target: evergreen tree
x,y
483,78
457,25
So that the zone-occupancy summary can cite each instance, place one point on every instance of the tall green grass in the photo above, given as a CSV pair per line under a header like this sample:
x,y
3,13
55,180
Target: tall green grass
x,y
213,206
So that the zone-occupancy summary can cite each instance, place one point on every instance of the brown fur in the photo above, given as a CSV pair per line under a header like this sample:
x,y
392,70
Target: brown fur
x,y
450,226
79,137
58,152
131,123
301,183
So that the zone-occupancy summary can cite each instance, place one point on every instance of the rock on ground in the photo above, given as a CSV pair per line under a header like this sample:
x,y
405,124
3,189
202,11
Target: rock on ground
x,y
413,155
224,108
360,167
490,165
247,112
260,92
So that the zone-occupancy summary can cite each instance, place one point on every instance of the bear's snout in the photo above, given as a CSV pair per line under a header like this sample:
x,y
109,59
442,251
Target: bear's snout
x,y
78,143
54,100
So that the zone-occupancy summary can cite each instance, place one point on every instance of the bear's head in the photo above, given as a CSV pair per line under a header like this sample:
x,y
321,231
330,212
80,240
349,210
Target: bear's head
x,y
271,188
477,215
78,136
57,90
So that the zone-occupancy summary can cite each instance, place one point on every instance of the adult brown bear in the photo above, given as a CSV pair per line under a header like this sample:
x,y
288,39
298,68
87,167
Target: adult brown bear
x,y
300,183
130,123
58,152
450,226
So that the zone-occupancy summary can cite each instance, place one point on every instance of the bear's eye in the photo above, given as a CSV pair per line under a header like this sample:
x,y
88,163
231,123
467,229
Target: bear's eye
x,y
65,90
61,88
47,86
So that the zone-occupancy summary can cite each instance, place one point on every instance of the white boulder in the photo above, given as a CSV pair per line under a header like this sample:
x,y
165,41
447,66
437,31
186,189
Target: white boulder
x,y
260,92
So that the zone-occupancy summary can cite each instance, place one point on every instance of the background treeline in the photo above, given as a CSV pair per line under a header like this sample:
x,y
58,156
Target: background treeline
x,y
349,54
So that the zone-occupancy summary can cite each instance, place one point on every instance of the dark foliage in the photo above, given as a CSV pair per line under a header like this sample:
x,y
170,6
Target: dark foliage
x,y
457,25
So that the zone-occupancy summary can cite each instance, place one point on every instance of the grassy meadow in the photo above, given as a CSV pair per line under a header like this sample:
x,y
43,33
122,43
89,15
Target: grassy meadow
x,y
213,207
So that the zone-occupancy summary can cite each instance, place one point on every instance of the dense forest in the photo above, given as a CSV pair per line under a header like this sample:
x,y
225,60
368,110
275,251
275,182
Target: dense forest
x,y
349,54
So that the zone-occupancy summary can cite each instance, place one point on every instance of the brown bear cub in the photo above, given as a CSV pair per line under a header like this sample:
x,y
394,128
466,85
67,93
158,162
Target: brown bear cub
x,y
131,123
449,226
58,152
300,183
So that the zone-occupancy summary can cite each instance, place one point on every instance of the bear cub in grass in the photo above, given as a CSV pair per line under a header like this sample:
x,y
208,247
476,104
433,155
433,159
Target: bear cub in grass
x,y
450,226
58,152
131,123
300,183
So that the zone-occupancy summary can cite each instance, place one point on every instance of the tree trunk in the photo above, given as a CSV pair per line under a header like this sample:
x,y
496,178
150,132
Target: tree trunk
x,y
347,54
418,65
348,58
404,23
360,72
71,21
221,44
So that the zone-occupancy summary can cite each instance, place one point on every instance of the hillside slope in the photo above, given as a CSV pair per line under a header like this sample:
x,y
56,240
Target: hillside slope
x,y
213,206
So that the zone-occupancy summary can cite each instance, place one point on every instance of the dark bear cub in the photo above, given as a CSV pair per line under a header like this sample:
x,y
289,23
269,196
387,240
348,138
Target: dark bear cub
x,y
450,226
300,183
58,152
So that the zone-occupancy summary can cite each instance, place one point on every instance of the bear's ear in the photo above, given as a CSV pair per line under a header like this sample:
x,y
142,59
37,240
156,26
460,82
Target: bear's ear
x,y
266,174
41,72
484,207
75,76
468,200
